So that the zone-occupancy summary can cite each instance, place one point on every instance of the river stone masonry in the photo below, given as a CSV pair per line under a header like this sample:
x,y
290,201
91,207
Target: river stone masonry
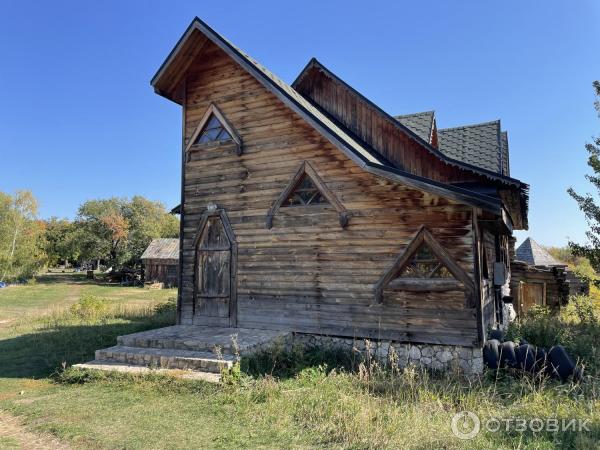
x,y
436,357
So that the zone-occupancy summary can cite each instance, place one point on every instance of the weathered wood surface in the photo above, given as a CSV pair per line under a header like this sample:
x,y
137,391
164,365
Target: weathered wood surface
x,y
554,280
383,133
307,273
160,270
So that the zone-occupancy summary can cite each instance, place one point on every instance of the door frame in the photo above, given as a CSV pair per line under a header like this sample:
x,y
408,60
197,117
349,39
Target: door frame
x,y
213,211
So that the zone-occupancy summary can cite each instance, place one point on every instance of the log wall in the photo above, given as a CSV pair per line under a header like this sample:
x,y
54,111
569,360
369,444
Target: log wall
x,y
307,273
162,271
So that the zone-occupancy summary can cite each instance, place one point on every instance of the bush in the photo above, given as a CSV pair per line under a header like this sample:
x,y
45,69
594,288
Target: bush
x,y
90,307
576,327
167,307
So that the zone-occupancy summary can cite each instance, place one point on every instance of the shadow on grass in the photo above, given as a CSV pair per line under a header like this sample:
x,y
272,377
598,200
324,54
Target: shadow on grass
x,y
44,351
284,364
61,278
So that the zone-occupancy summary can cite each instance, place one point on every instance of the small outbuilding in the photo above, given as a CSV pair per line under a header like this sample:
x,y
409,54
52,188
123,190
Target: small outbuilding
x,y
161,261
540,279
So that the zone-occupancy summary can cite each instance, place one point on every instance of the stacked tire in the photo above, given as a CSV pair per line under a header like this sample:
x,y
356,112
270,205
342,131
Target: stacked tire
x,y
556,362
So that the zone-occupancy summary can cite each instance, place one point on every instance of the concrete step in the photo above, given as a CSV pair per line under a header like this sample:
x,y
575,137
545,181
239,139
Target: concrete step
x,y
166,358
178,343
111,366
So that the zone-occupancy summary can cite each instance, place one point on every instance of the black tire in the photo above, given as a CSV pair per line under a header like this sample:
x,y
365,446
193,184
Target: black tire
x,y
491,354
526,357
508,357
541,358
560,363
497,334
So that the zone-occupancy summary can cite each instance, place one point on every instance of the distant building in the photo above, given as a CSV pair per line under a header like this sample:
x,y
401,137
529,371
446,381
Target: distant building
x,y
540,279
535,255
161,261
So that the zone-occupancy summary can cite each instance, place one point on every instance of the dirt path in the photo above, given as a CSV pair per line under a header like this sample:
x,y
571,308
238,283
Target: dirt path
x,y
13,434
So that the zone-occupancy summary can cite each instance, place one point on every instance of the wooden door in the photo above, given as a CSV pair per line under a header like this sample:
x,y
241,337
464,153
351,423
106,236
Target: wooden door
x,y
213,270
532,294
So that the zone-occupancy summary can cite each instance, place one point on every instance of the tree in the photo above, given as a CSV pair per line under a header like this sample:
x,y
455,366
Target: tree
x,y
587,202
148,220
21,236
118,230
61,241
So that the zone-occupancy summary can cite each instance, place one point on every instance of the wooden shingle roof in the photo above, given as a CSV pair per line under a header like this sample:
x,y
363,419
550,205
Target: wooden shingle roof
x,y
162,248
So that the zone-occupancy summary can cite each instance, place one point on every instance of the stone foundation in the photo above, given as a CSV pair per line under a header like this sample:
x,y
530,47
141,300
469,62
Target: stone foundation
x,y
436,357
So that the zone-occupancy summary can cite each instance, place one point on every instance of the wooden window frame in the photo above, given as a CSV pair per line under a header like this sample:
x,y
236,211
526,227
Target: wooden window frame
x,y
213,211
210,111
424,236
306,169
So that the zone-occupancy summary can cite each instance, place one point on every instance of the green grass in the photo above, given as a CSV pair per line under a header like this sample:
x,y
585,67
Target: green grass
x,y
53,292
303,404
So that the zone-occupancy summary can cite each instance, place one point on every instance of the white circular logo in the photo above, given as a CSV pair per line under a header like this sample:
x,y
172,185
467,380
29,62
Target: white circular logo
x,y
465,425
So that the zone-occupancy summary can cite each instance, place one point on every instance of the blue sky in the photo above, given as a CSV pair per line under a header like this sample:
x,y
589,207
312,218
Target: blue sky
x,y
79,120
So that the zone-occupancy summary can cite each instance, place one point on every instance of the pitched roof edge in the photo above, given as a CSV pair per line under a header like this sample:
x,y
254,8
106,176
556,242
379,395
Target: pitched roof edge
x,y
372,165
456,193
488,173
472,125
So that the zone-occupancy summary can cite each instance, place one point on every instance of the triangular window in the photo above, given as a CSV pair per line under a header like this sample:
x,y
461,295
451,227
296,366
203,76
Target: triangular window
x,y
213,131
305,193
424,264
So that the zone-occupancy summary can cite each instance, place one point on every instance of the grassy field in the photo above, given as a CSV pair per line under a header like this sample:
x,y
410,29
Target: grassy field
x,y
291,401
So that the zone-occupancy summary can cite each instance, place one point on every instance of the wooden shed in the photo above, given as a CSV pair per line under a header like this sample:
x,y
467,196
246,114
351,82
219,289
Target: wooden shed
x,y
540,279
161,261
307,208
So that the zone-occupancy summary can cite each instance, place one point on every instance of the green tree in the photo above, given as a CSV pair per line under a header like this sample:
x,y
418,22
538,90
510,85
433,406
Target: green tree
x,y
587,202
148,220
62,245
21,236
118,230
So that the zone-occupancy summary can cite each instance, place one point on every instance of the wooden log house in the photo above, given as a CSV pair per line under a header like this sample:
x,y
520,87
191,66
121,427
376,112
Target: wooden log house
x,y
161,261
306,207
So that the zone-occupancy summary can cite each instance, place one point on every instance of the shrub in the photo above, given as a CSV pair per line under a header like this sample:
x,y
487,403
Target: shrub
x,y
167,307
90,307
577,327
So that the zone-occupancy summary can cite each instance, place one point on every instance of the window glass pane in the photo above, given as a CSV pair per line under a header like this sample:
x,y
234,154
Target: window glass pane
x,y
213,123
305,193
213,131
224,135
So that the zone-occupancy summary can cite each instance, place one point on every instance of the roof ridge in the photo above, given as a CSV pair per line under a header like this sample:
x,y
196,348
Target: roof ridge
x,y
415,114
471,125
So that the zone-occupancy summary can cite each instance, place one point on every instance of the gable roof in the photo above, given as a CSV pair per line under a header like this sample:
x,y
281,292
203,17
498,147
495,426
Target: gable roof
x,y
479,144
162,248
535,255
490,174
365,156
421,123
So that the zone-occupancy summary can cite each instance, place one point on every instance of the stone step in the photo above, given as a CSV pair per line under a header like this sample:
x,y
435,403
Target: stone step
x,y
178,343
111,366
166,358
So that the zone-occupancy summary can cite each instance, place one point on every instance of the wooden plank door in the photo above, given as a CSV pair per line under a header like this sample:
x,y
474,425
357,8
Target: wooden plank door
x,y
532,294
213,270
